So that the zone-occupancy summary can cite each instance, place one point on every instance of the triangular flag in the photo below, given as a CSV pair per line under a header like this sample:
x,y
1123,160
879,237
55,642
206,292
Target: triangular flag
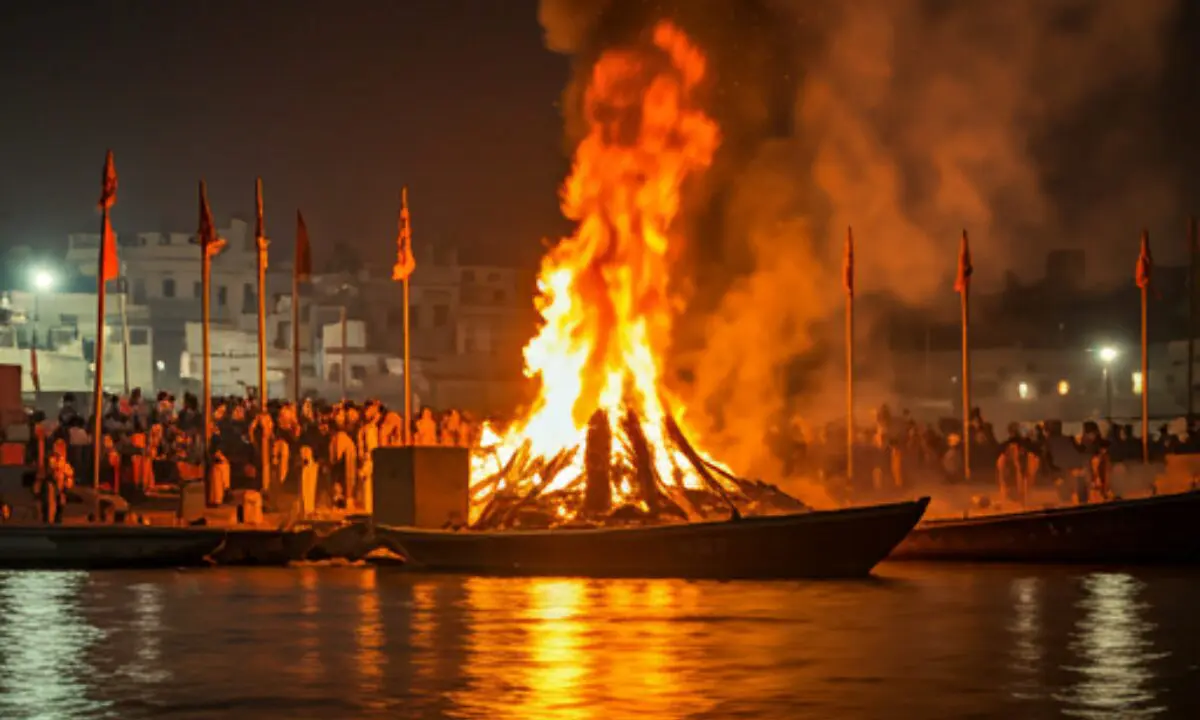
x,y
848,264
206,234
962,281
1145,263
303,263
110,267
405,261
260,231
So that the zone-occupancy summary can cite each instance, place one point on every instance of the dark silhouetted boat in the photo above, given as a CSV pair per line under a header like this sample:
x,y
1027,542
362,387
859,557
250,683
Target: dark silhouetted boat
x,y
87,547
262,547
822,544
1154,530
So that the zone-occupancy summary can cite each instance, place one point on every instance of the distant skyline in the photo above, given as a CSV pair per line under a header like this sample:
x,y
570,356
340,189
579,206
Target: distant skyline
x,y
335,106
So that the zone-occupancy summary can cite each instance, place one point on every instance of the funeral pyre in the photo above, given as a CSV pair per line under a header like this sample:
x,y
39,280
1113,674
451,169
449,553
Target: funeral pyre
x,y
603,443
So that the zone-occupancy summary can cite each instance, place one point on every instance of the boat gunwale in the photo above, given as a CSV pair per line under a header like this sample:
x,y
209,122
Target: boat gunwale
x,y
1116,505
917,506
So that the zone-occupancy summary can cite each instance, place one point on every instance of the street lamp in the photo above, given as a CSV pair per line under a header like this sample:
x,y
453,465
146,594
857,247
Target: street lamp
x,y
1107,355
43,281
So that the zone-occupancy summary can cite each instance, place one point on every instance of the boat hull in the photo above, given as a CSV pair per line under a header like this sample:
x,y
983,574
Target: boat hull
x,y
93,547
255,547
1154,530
840,543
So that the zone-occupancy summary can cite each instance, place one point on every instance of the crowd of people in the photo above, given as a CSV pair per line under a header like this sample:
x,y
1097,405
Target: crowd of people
x,y
315,451
895,452
321,453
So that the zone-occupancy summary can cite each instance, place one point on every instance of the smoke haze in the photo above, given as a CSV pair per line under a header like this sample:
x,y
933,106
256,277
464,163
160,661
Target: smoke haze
x,y
1031,123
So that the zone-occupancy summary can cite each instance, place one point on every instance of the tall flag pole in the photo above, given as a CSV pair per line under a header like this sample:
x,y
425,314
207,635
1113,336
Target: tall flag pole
x,y
106,269
210,245
848,281
406,262
261,243
301,272
1193,311
962,283
1145,264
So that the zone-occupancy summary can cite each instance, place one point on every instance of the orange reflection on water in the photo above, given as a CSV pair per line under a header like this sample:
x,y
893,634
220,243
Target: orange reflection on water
x,y
558,658
368,636
310,667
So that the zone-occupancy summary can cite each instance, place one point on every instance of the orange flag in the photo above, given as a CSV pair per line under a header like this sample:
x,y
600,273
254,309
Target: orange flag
x,y
405,261
962,282
108,197
1145,263
848,265
260,230
206,234
303,264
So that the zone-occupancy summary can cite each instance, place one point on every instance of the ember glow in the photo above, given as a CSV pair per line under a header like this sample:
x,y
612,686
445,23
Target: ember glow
x,y
603,292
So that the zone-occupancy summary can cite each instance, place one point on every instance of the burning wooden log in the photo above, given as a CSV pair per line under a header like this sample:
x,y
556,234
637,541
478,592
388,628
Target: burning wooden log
x,y
549,471
677,437
643,463
513,470
597,454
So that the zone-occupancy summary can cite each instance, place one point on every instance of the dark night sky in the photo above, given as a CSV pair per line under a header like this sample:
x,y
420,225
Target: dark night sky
x,y
335,104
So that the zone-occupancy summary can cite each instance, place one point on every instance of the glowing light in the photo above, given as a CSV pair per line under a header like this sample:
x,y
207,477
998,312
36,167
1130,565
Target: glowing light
x,y
43,280
1136,377
1064,387
1107,354
1023,390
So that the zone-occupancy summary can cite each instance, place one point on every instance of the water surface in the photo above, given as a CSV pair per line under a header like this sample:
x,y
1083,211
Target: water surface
x,y
916,641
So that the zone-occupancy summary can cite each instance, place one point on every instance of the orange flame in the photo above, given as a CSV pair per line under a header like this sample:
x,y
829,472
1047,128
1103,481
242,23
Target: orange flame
x,y
604,291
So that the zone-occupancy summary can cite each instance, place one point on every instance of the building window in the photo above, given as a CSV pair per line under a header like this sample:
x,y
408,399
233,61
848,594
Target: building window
x,y
222,296
395,317
139,336
197,289
441,315
248,300
358,373
335,372
65,319
1136,377
283,339
168,287
139,291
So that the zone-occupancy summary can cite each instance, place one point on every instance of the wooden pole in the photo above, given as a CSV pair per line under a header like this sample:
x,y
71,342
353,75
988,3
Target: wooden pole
x,y
965,270
205,350
1193,295
407,374
260,241
1145,381
849,287
98,361
296,337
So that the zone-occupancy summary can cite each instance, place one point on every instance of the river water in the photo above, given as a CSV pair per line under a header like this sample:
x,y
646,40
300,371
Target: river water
x,y
915,641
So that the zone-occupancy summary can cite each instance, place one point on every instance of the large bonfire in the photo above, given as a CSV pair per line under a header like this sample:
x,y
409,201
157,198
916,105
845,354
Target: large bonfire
x,y
603,438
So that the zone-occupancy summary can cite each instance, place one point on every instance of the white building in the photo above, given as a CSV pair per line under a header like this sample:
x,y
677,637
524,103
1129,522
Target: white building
x,y
63,324
162,271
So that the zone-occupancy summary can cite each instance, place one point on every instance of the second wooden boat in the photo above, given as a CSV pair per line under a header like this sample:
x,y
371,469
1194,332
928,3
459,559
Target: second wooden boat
x,y
90,547
1159,529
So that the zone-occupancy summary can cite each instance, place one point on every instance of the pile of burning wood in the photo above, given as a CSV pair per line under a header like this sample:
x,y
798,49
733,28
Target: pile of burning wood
x,y
528,492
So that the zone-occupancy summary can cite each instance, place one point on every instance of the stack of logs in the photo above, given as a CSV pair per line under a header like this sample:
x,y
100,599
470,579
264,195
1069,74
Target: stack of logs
x,y
516,504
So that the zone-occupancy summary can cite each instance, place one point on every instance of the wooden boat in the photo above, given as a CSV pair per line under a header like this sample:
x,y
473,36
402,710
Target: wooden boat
x,y
1159,529
839,543
88,547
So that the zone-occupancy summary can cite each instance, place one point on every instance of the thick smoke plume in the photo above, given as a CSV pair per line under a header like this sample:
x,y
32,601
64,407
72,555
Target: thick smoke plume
x,y
1028,122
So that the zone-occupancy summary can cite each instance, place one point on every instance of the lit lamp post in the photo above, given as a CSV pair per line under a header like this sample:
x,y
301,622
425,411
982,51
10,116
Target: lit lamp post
x,y
1107,355
43,281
